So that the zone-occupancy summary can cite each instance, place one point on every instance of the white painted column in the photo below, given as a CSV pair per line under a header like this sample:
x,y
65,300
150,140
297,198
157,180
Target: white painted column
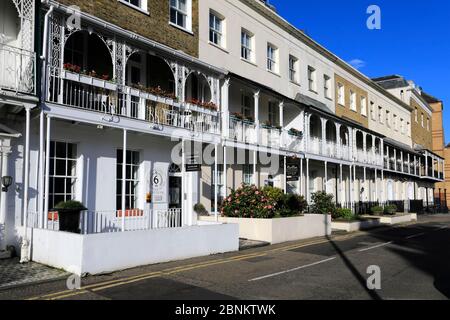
x,y
124,172
41,171
225,173
377,197
216,186
409,164
395,160
255,168
184,219
308,196
47,172
338,140
365,147
366,187
324,136
5,150
388,158
383,187
225,107
285,177
341,189
415,165
301,180
25,246
426,166
420,166
256,104
402,162
325,183
354,184
350,185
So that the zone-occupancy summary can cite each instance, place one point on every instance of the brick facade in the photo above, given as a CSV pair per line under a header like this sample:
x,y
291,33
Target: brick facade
x,y
154,26
420,135
345,111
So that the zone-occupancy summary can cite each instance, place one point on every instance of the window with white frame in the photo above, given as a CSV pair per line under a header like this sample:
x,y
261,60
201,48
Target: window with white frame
x,y
327,86
220,186
312,85
248,174
246,45
216,29
423,121
372,110
416,113
352,100
394,122
246,104
273,106
131,179
380,115
63,174
363,106
402,126
293,66
341,94
272,58
180,13
140,4
388,118
428,124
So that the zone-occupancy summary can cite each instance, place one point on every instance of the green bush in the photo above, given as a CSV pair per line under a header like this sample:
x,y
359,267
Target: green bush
x,y
274,194
344,214
322,203
70,205
377,210
390,209
291,205
248,202
200,209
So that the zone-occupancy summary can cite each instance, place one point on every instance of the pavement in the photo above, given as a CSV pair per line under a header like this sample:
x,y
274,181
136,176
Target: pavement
x,y
413,259
14,274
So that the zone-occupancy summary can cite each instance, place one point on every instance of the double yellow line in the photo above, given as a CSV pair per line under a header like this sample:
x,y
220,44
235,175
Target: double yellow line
x,y
123,281
119,282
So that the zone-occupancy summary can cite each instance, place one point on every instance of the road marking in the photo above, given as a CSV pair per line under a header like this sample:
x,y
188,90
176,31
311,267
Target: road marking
x,y
291,270
122,281
416,235
377,246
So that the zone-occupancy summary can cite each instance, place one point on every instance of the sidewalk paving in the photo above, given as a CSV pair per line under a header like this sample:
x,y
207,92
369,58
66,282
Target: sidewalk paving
x,y
14,274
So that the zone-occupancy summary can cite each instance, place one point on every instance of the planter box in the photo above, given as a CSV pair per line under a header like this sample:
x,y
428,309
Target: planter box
x,y
281,229
401,218
353,226
89,80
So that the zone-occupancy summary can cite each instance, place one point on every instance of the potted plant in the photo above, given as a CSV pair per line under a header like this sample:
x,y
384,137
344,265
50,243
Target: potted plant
x,y
377,211
390,210
69,215
200,209
296,133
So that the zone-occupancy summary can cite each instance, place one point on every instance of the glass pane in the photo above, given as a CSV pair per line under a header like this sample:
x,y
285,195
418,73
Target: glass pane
x,y
52,149
61,151
59,185
71,168
60,169
72,151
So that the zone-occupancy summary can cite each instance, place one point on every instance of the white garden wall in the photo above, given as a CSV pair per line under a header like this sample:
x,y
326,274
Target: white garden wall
x,y
106,252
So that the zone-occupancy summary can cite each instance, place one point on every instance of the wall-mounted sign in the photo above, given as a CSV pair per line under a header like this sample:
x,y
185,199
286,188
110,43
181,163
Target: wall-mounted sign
x,y
292,169
159,185
193,164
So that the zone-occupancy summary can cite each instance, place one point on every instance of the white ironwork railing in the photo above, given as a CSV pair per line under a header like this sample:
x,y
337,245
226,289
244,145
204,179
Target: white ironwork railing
x,y
270,137
291,142
85,92
17,69
242,131
168,219
92,222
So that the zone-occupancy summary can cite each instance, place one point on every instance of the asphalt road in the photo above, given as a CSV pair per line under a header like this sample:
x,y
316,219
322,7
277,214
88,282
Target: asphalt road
x,y
414,261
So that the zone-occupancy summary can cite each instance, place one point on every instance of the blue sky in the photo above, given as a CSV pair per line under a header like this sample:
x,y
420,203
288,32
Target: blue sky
x,y
414,40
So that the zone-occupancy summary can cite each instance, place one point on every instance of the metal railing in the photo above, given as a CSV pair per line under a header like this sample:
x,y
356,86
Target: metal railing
x,y
242,131
92,222
81,91
270,137
17,69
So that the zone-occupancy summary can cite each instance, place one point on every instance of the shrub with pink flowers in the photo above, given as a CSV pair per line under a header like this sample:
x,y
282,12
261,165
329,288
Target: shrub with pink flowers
x,y
248,202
